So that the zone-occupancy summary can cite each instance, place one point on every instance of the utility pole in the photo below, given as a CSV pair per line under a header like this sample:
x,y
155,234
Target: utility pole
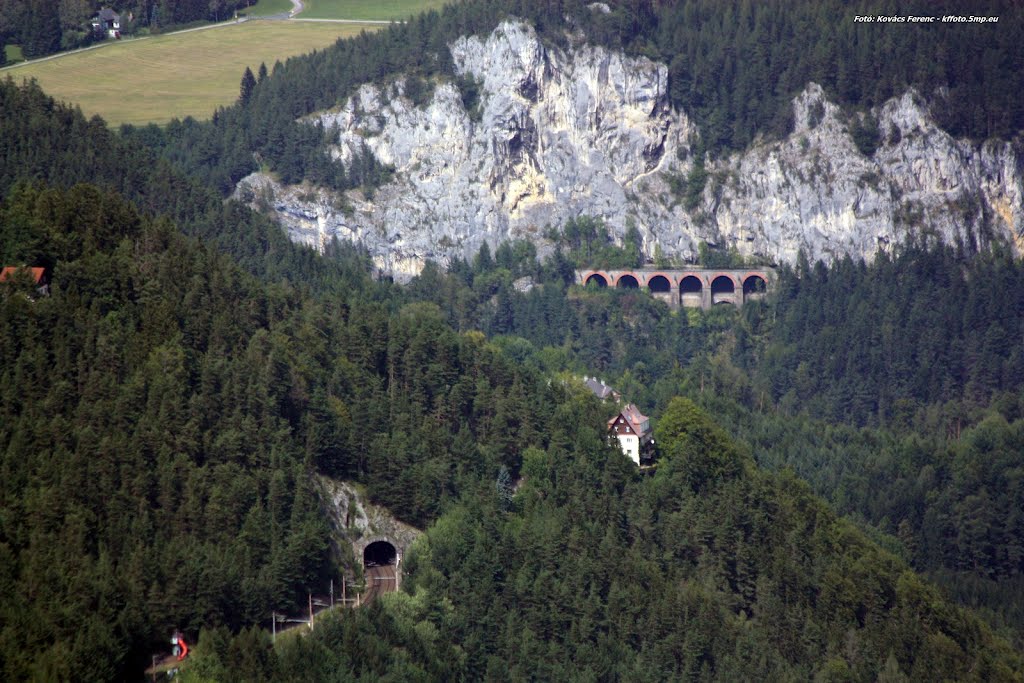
x,y
343,600
332,592
310,611
273,620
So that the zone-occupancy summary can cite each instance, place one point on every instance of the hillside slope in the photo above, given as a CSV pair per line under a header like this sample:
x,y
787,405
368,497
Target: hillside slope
x,y
706,570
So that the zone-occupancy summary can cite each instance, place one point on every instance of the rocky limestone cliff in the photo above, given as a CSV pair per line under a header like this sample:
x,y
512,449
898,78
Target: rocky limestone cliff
x,y
815,190
587,131
354,519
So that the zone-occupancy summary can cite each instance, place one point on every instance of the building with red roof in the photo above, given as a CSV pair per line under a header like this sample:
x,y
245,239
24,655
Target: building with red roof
x,y
37,274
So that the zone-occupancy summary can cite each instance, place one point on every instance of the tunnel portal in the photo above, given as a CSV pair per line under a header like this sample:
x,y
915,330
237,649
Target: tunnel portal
x,y
380,553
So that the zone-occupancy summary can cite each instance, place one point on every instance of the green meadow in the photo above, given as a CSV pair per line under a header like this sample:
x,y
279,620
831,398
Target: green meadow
x,y
364,10
152,80
265,8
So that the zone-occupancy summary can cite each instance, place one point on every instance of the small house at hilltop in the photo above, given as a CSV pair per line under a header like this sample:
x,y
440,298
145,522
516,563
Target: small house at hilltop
x,y
633,431
37,275
108,23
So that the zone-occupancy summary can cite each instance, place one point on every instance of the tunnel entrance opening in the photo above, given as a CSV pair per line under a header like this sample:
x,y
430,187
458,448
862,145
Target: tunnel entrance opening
x,y
723,290
754,287
380,553
691,291
596,280
659,284
627,282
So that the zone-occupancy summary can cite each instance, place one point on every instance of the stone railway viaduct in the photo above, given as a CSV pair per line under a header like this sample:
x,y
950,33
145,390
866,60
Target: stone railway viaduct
x,y
689,287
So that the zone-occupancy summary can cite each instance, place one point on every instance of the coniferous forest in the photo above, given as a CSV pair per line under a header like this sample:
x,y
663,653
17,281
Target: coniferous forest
x,y
839,491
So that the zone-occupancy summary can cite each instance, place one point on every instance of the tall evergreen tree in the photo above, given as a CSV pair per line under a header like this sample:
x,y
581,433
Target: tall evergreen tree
x,y
41,32
248,84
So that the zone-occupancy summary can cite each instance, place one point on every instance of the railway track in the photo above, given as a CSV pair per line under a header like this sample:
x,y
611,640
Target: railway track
x,y
381,579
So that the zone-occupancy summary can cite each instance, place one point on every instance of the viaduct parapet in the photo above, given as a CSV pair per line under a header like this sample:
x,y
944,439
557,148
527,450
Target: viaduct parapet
x,y
689,287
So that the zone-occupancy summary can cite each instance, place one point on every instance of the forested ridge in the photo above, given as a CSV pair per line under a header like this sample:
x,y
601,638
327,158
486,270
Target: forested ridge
x,y
733,66
164,410
707,570
151,477
890,387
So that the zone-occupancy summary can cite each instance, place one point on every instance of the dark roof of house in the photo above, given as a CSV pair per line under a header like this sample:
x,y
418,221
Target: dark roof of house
x,y
637,420
598,388
107,14
9,271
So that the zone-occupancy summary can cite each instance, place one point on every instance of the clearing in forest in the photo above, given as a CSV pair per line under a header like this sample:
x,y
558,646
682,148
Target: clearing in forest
x,y
265,8
366,10
152,80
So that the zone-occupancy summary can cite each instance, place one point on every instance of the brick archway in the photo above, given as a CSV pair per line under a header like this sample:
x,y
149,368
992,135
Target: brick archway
x,y
627,281
724,289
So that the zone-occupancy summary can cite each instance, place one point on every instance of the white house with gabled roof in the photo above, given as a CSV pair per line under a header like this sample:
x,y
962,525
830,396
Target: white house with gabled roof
x,y
633,431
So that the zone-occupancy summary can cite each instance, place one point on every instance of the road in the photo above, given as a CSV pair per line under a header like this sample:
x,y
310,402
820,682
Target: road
x,y
379,580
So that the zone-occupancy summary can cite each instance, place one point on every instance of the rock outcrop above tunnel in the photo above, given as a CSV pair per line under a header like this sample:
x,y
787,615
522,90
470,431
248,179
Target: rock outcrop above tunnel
x,y
587,131
355,522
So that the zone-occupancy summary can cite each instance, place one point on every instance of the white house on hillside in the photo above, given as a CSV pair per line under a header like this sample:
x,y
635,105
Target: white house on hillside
x,y
633,431
107,23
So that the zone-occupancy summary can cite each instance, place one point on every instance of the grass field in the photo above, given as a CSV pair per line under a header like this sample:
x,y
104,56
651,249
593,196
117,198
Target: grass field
x,y
265,8
13,53
153,80
367,9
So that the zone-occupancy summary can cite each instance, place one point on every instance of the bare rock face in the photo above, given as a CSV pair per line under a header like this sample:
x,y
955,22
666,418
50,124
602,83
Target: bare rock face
x,y
558,134
354,520
817,191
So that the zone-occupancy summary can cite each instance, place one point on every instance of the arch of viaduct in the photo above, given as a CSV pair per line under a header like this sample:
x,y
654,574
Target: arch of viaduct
x,y
688,287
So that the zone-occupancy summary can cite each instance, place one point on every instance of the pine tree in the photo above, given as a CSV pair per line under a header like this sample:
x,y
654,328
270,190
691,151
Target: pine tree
x,y
247,86
41,33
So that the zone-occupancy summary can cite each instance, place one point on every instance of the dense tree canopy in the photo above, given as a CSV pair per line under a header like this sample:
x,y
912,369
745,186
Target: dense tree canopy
x,y
152,476
890,443
163,411
596,572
